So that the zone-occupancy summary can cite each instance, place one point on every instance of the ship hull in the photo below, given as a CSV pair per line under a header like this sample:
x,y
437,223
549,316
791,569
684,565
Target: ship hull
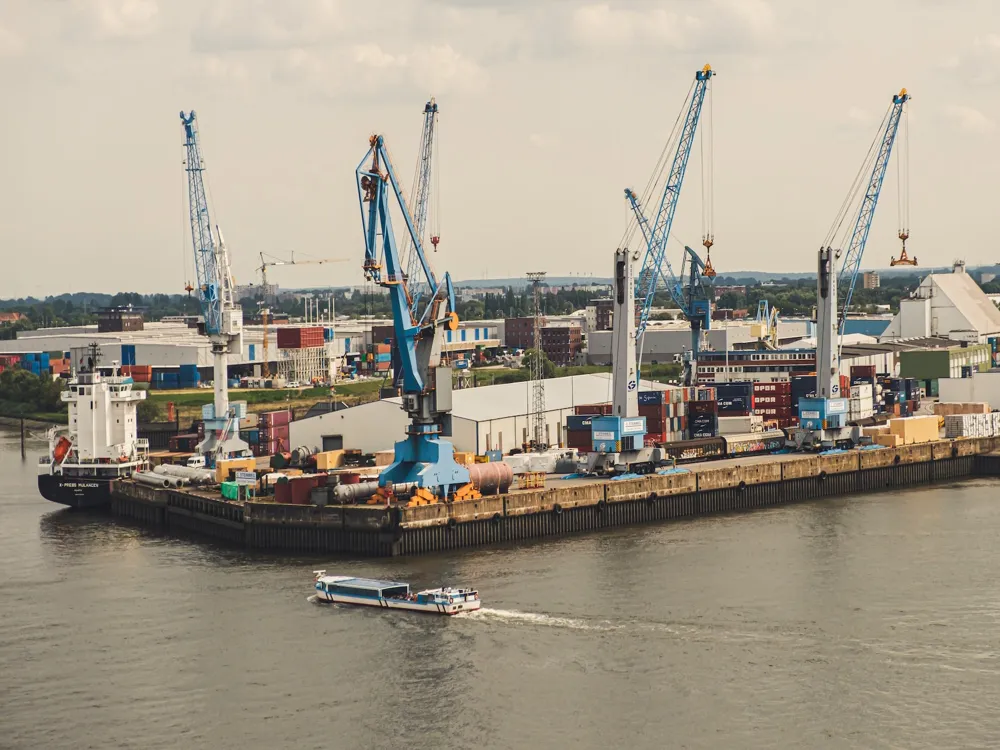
x,y
80,493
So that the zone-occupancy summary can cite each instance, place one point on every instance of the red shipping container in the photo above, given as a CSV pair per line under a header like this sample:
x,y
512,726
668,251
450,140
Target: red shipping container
x,y
296,337
592,409
271,418
772,388
863,371
275,431
733,413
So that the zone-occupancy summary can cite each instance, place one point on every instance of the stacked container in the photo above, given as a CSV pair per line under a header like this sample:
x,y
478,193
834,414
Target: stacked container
x,y
166,379
578,428
862,402
273,435
735,399
189,377
703,419
773,402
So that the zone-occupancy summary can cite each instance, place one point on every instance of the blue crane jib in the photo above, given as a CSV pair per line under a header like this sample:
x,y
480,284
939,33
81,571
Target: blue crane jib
x,y
655,264
424,461
201,229
859,237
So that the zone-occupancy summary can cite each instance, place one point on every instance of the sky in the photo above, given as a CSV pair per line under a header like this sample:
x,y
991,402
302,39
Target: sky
x,y
548,110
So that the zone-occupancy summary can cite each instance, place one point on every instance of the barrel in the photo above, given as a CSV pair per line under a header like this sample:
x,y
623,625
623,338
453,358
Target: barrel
x,y
493,478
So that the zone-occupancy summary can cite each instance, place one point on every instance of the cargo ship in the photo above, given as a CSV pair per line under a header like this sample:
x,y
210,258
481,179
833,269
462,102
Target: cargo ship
x,y
99,443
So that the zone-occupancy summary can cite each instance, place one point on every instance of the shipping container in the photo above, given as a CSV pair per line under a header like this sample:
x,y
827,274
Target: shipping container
x,y
593,409
757,442
696,408
298,337
578,423
782,388
651,397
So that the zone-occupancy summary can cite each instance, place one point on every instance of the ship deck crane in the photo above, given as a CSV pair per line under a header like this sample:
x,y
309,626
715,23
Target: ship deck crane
x,y
823,419
424,462
265,309
689,295
221,318
618,440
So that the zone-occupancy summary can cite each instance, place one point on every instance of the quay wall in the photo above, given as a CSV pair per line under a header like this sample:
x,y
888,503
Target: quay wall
x,y
378,531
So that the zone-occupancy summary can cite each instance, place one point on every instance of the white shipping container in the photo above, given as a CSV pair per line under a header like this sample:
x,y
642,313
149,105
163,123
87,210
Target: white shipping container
x,y
862,390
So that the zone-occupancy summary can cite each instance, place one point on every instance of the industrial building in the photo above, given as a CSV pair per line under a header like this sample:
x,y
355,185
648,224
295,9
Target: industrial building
x,y
493,417
949,305
946,362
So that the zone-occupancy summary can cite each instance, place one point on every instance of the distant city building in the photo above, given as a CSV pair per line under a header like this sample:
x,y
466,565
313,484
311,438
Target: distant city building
x,y
603,313
562,343
519,333
119,319
720,290
872,280
256,291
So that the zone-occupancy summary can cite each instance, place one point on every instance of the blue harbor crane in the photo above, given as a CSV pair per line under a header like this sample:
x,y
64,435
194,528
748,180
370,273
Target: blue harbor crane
x,y
688,294
424,465
823,419
221,316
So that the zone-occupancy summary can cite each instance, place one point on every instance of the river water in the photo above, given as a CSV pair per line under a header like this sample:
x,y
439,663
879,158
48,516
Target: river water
x,y
868,622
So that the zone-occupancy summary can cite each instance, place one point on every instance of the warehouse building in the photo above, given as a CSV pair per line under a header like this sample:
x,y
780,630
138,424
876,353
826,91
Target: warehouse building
x,y
493,417
949,305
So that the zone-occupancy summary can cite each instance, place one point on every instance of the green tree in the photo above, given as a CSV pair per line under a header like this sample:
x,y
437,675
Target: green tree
x,y
148,411
528,361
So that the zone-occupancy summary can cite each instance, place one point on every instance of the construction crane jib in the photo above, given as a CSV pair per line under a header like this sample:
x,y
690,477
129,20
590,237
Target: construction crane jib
x,y
421,204
424,460
222,316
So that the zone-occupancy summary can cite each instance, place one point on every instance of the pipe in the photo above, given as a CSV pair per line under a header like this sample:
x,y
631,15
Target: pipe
x,y
151,479
301,453
493,478
353,493
193,475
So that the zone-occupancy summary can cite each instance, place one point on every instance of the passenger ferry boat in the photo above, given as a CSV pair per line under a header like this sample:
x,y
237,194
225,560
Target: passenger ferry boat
x,y
393,595
99,443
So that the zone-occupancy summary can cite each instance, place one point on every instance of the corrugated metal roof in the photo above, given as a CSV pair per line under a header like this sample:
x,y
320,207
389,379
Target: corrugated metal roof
x,y
514,399
970,300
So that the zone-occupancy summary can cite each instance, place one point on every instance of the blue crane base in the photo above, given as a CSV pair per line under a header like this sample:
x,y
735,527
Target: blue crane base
x,y
427,461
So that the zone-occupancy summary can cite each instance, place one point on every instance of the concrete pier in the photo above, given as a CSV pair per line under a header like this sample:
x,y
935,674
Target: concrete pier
x,y
564,507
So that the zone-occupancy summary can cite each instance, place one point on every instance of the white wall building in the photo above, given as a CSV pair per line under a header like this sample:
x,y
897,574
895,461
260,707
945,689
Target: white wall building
x,y
489,417
951,305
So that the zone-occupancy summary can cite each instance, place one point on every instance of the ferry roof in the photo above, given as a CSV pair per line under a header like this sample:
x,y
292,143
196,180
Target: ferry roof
x,y
369,584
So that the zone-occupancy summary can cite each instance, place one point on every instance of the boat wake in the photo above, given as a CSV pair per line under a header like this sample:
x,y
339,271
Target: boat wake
x,y
513,616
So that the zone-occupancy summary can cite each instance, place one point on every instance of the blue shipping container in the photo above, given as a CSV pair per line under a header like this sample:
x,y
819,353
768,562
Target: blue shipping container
x,y
576,422
651,397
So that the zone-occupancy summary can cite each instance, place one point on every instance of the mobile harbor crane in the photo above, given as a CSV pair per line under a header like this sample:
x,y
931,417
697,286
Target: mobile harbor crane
x,y
221,316
823,419
618,439
424,464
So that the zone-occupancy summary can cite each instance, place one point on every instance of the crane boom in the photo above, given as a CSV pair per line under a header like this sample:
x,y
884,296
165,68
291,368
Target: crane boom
x,y
222,316
421,199
655,264
863,224
424,459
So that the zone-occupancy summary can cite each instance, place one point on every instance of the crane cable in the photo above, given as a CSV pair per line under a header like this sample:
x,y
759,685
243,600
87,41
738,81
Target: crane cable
x,y
903,180
708,181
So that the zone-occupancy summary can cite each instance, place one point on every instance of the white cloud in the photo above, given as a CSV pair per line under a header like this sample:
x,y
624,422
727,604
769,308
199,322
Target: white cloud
x,y
10,43
440,68
601,26
117,19
241,25
970,119
224,69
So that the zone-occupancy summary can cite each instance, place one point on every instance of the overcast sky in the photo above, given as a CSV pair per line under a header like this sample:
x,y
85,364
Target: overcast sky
x,y
549,108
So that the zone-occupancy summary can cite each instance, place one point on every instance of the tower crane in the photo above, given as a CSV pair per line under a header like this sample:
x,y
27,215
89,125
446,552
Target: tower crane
x,y
421,200
265,309
619,439
690,295
424,462
823,419
221,316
